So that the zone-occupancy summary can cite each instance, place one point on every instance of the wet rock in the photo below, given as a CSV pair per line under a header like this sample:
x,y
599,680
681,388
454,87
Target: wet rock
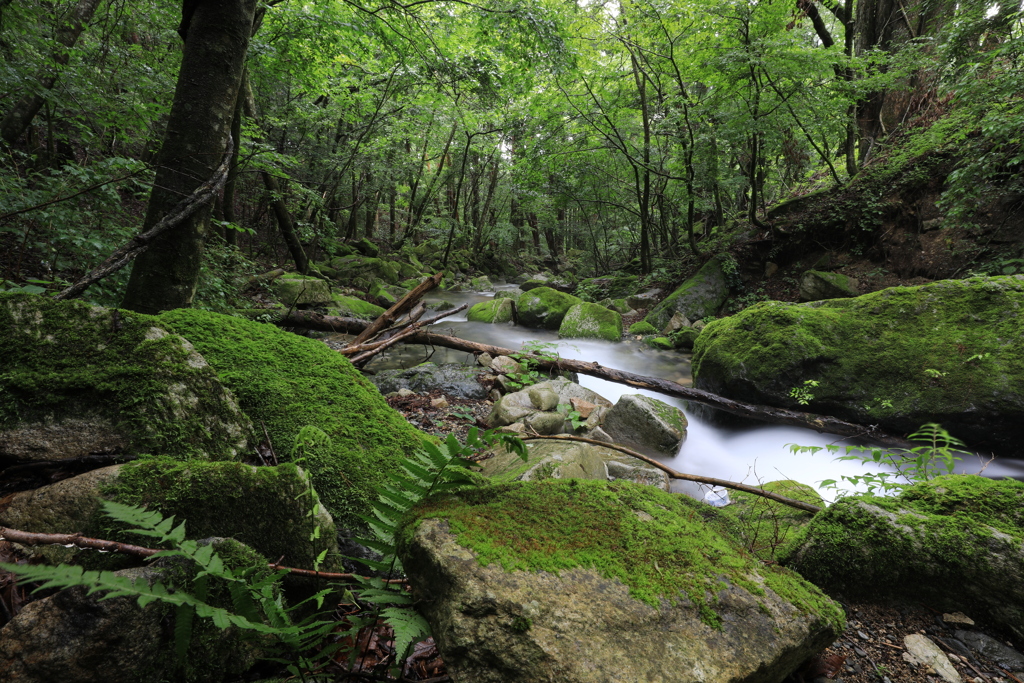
x,y
646,423
505,365
544,307
591,321
645,299
701,295
493,311
453,379
991,649
550,617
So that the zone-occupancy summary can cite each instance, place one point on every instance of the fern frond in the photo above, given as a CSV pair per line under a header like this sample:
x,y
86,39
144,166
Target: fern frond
x,y
410,628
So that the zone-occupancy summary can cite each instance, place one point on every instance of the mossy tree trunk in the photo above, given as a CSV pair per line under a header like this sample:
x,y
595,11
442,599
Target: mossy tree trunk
x,y
217,37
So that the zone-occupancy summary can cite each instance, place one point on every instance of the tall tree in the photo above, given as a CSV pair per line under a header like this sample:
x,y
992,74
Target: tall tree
x,y
217,38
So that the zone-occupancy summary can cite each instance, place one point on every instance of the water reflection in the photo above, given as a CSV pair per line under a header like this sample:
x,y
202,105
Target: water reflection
x,y
751,454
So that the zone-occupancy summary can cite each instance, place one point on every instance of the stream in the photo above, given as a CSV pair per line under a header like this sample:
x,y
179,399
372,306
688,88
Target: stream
x,y
750,454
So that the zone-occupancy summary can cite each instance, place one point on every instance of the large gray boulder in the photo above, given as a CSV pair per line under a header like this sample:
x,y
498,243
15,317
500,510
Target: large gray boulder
x,y
78,379
700,296
573,581
956,542
453,379
950,352
73,637
519,405
555,459
647,424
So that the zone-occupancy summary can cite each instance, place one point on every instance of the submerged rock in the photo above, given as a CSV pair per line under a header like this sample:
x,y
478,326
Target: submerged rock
x,y
700,296
950,352
955,541
566,581
453,379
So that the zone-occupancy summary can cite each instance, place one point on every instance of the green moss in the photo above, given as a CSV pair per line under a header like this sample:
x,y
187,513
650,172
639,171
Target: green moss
x,y
70,359
662,546
293,289
702,295
351,306
285,382
900,357
933,535
218,499
684,338
493,311
766,526
591,321
544,307
642,327
661,343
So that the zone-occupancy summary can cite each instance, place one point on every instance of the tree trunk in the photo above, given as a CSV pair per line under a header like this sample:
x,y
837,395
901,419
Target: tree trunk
x,y
21,114
165,276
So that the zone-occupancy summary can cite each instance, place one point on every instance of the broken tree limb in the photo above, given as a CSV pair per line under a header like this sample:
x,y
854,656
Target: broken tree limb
x,y
138,244
401,306
369,353
86,543
673,474
819,423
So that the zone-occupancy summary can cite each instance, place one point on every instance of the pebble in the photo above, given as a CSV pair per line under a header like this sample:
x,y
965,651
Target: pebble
x,y
859,651
863,636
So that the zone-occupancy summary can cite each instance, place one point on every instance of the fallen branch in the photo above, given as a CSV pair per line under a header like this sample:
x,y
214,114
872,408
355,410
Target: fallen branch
x,y
673,474
138,244
85,543
377,347
400,307
819,423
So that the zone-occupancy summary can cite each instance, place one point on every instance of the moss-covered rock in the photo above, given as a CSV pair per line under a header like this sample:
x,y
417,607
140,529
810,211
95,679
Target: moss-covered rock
x,y
513,294
287,382
646,424
350,306
382,294
701,295
591,321
618,305
481,284
955,541
294,289
360,271
642,327
78,379
816,285
544,307
663,343
684,338
493,311
950,352
518,573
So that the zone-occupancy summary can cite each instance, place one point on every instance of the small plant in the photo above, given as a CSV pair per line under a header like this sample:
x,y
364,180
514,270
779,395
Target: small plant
x,y
935,374
532,353
802,394
462,413
937,455
573,416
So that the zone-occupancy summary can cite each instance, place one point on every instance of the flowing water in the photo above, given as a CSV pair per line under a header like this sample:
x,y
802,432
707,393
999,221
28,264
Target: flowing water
x,y
752,454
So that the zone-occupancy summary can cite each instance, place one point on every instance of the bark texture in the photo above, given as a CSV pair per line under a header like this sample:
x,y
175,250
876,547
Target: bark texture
x,y
165,276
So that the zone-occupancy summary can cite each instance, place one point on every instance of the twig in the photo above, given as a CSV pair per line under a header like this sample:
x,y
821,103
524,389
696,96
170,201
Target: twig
x,y
402,305
409,331
138,244
86,543
686,477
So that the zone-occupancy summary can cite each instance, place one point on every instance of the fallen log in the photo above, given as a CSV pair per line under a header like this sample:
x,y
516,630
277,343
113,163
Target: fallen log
x,y
401,335
401,306
819,423
682,476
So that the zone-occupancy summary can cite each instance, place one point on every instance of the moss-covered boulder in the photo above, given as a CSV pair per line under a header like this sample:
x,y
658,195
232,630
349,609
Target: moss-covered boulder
x,y
642,327
701,295
212,498
286,382
614,286
493,311
684,339
481,284
360,271
566,581
816,285
513,294
350,306
382,294
591,321
76,637
955,541
950,352
78,379
295,289
544,307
